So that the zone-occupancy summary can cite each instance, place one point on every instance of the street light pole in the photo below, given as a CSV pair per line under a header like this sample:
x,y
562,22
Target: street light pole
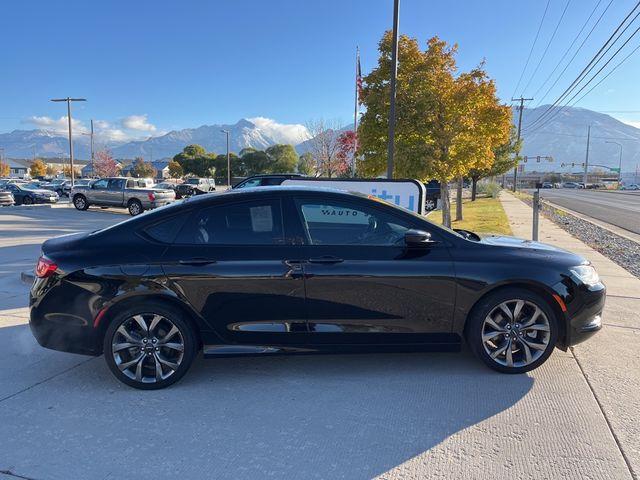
x,y
228,160
619,162
69,100
394,76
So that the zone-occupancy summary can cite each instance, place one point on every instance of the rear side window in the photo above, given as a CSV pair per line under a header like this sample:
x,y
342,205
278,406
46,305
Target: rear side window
x,y
247,223
166,230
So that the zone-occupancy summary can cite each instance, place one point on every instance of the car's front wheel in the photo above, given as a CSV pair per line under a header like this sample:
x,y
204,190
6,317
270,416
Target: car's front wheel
x,y
27,200
149,346
512,331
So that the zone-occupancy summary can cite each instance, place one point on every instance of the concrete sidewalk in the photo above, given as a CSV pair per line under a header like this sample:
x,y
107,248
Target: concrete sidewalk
x,y
609,361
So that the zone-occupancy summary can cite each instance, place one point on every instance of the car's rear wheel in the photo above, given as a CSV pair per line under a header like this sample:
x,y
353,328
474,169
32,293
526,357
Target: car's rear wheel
x,y
27,200
150,346
135,207
80,202
512,331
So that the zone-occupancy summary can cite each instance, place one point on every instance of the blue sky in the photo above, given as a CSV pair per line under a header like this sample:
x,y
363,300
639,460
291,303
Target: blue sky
x,y
149,67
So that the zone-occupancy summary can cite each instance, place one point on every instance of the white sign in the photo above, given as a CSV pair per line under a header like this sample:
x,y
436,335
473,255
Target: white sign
x,y
409,194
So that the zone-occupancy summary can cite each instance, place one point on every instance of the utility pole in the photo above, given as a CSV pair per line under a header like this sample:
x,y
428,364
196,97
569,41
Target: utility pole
x,y
586,160
228,160
69,100
394,75
93,166
520,109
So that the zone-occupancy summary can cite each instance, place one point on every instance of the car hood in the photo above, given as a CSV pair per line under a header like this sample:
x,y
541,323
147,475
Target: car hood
x,y
39,191
505,241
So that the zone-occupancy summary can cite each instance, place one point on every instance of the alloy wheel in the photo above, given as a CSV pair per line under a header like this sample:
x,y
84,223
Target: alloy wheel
x,y
148,348
516,333
79,203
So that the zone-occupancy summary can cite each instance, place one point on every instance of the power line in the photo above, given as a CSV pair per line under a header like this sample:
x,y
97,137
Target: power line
x,y
593,77
584,25
596,58
535,40
535,70
575,54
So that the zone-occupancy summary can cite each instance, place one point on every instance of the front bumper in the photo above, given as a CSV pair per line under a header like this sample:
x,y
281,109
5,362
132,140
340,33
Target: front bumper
x,y
584,312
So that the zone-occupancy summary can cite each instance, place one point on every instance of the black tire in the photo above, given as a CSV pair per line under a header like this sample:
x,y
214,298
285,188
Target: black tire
x,y
135,207
148,360
27,200
521,339
80,202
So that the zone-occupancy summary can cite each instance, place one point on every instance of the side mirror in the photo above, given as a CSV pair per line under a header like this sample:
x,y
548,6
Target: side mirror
x,y
417,238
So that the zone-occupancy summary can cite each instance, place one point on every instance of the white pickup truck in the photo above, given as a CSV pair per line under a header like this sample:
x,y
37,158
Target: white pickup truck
x,y
120,192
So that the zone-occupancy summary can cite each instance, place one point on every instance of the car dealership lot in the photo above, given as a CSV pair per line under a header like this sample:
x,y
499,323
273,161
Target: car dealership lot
x,y
336,416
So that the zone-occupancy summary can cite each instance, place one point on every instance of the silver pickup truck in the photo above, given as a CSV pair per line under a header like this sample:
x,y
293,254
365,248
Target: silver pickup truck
x,y
120,192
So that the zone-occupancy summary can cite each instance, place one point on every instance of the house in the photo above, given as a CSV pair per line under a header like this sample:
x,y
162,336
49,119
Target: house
x,y
160,166
18,168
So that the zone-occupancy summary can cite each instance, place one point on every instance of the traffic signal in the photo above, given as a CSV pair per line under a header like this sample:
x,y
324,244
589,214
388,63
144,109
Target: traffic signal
x,y
538,159
525,158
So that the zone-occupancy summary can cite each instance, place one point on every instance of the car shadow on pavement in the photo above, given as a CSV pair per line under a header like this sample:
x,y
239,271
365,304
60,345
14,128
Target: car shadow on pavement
x,y
323,416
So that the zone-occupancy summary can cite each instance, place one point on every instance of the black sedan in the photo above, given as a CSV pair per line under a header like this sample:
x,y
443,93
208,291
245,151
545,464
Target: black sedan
x,y
28,194
296,270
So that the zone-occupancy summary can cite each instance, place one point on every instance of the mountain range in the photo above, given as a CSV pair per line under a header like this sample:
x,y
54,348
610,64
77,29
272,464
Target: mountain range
x,y
564,138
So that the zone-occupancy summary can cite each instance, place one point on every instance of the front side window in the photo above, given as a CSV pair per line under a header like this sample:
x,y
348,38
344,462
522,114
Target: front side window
x,y
116,184
343,223
101,184
248,223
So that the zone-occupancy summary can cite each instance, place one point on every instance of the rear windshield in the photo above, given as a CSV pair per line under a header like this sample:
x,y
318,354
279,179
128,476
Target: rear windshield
x,y
192,181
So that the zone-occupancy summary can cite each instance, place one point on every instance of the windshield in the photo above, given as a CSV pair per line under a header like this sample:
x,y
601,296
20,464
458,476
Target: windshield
x,y
192,181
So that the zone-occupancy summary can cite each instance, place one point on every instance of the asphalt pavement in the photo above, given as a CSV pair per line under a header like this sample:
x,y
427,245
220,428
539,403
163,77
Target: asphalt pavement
x,y
619,208
395,416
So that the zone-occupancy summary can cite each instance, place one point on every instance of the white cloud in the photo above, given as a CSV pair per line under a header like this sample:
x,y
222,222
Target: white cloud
x,y
631,122
282,133
58,126
138,122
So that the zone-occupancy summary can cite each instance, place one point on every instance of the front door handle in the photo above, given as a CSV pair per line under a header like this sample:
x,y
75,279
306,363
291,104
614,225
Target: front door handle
x,y
197,261
326,260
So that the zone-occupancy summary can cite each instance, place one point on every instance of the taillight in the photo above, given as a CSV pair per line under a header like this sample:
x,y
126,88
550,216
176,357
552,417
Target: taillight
x,y
45,267
151,196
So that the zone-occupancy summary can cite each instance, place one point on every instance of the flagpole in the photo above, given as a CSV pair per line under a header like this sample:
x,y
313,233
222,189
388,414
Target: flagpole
x,y
355,113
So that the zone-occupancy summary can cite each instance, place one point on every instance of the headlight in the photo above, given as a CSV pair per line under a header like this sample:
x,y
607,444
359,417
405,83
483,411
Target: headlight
x,y
586,274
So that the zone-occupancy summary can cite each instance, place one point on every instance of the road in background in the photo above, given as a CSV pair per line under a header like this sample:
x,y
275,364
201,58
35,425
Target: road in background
x,y
619,208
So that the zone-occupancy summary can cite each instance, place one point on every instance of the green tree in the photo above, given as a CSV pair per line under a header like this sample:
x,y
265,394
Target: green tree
x,y
142,169
446,124
306,164
220,167
506,156
175,169
38,168
196,161
5,170
283,158
255,162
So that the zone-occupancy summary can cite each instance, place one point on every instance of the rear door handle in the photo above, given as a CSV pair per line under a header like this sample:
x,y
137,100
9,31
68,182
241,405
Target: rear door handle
x,y
327,260
197,261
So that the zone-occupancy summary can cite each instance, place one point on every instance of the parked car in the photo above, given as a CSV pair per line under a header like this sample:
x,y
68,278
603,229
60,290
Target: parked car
x,y
432,195
61,186
195,186
24,195
547,185
165,185
631,186
266,180
572,185
6,198
120,192
297,269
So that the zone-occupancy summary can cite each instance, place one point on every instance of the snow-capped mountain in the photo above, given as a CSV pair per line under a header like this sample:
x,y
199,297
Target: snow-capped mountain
x,y
564,138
